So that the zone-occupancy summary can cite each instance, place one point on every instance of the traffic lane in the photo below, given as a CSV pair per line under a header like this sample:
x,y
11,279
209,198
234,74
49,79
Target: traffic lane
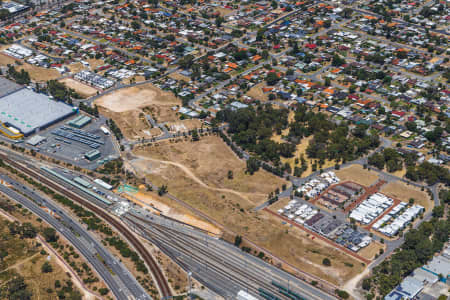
x,y
121,272
90,257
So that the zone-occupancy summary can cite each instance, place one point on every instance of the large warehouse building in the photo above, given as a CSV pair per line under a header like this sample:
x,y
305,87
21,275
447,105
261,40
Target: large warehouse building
x,y
27,111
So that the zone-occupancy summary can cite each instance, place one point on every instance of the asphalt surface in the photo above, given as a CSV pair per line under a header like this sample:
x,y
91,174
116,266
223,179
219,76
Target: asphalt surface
x,y
122,284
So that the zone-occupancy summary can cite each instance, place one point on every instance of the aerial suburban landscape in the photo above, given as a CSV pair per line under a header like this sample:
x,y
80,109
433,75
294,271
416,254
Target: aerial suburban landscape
x,y
224,149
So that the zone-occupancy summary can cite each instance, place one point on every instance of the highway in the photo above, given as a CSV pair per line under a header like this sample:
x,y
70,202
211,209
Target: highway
x,y
69,192
122,284
220,266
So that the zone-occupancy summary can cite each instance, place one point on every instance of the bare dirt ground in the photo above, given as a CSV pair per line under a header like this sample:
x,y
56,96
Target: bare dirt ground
x,y
208,162
235,214
170,208
184,125
80,88
358,174
128,106
370,251
137,97
132,123
257,93
404,192
196,173
178,76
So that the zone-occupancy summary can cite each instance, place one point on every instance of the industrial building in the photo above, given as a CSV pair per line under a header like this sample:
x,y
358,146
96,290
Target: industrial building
x,y
92,155
28,112
79,121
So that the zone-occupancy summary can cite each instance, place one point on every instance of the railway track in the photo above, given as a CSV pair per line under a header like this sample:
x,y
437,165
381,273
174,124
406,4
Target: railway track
x,y
148,259
179,242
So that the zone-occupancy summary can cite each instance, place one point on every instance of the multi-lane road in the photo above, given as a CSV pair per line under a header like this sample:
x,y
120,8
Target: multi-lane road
x,y
118,279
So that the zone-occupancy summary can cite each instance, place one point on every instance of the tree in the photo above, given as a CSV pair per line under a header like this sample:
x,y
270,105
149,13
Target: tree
x,y
326,262
230,174
237,240
272,78
50,235
103,291
3,254
16,289
162,190
46,268
4,14
195,136
252,165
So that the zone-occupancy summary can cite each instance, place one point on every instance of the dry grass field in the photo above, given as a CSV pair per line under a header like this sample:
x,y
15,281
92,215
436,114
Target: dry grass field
x,y
178,76
76,67
404,192
39,74
370,251
24,258
132,123
208,162
196,173
358,174
36,73
257,93
81,88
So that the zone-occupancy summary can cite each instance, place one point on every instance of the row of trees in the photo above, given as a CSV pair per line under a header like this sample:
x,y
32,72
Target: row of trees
x,y
21,77
392,159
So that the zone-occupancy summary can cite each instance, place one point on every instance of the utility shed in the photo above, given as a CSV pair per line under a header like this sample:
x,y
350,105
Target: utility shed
x,y
92,155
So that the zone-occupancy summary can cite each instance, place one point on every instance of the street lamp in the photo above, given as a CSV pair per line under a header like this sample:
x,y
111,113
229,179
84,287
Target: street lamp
x,y
189,285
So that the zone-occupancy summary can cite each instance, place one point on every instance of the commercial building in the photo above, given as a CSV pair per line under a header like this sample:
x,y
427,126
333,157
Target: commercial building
x,y
79,121
92,155
28,112
439,266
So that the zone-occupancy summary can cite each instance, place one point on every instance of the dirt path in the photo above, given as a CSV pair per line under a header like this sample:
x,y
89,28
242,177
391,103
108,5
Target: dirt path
x,y
88,295
198,180
352,285
20,262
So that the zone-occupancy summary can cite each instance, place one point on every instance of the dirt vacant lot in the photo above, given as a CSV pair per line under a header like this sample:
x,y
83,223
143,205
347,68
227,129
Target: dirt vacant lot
x,y
81,88
358,174
234,213
209,161
137,97
127,107
132,123
36,73
197,173
404,192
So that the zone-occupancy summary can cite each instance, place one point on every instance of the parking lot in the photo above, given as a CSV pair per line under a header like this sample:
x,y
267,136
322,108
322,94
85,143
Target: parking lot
x,y
71,144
